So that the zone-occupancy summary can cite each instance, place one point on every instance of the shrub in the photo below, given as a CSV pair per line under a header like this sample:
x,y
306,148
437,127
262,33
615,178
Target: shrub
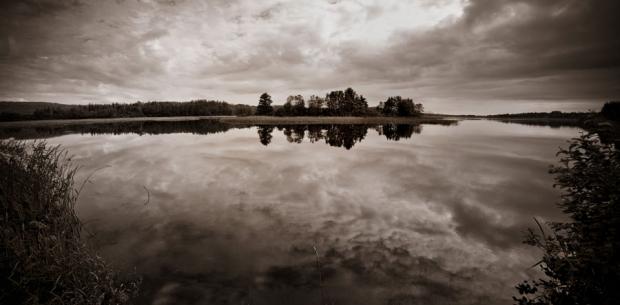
x,y
581,258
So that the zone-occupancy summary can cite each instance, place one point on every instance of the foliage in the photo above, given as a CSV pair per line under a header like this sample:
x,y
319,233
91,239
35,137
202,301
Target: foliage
x,y
346,103
43,258
139,109
611,110
541,115
264,105
398,106
335,103
299,105
581,258
315,105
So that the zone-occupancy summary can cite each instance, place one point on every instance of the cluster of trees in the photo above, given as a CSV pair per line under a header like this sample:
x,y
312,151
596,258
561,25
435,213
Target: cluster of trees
x,y
398,106
337,103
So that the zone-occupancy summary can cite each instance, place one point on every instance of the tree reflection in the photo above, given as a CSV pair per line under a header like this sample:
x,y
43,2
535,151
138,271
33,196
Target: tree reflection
x,y
337,135
342,135
295,134
264,134
345,135
397,131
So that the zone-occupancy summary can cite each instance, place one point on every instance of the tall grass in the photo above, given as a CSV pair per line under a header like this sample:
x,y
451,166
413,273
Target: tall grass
x,y
43,259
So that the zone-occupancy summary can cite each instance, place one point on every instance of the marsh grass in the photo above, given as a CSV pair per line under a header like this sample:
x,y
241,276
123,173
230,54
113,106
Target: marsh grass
x,y
43,258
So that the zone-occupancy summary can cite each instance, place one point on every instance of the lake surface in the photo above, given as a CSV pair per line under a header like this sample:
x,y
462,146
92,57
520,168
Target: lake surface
x,y
207,214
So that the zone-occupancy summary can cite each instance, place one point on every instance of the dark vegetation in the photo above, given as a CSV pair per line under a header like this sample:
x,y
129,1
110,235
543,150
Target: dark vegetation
x,y
398,106
340,135
202,127
335,103
139,109
611,111
338,103
542,115
581,258
26,108
43,258
552,119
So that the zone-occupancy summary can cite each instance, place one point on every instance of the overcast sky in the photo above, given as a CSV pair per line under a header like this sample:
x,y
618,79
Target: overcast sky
x,y
476,56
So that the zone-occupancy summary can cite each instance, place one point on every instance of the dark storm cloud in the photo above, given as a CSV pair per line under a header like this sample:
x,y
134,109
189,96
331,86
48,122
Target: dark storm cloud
x,y
37,7
490,54
535,49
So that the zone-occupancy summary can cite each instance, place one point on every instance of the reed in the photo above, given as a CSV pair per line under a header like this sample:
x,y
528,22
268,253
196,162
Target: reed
x,y
43,257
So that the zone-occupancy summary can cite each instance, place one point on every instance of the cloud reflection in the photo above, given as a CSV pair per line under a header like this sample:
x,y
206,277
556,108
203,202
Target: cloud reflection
x,y
431,219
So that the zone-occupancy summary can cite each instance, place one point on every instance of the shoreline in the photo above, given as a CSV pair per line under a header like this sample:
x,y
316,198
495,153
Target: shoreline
x,y
250,120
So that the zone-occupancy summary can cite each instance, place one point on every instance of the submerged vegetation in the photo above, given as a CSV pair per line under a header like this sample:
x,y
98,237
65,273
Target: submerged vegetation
x,y
44,259
581,258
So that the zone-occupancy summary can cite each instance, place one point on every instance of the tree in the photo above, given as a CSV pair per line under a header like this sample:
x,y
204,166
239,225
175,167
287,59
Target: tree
x,y
360,106
298,105
582,257
287,108
405,107
398,106
418,109
390,106
315,105
264,105
348,102
334,100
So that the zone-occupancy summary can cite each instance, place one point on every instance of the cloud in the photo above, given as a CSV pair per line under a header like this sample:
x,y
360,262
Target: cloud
x,y
507,54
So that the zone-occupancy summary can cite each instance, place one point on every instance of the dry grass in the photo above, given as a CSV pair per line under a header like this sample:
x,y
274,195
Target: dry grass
x,y
44,260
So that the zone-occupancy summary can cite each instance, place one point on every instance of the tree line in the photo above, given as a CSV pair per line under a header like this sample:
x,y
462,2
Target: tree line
x,y
338,103
138,109
335,103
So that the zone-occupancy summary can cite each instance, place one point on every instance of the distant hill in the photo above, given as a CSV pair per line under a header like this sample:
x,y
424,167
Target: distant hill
x,y
27,107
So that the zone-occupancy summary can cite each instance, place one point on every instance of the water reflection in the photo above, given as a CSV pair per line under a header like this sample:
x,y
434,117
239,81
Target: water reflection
x,y
200,127
286,219
264,134
337,135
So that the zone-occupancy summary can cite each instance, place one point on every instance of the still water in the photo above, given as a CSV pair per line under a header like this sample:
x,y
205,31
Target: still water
x,y
428,214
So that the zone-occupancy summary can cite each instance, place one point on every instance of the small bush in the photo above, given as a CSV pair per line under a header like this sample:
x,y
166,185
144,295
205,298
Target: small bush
x,y
581,258
43,259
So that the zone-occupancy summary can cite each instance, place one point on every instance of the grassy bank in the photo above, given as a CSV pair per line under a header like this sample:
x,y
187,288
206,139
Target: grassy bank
x,y
44,259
